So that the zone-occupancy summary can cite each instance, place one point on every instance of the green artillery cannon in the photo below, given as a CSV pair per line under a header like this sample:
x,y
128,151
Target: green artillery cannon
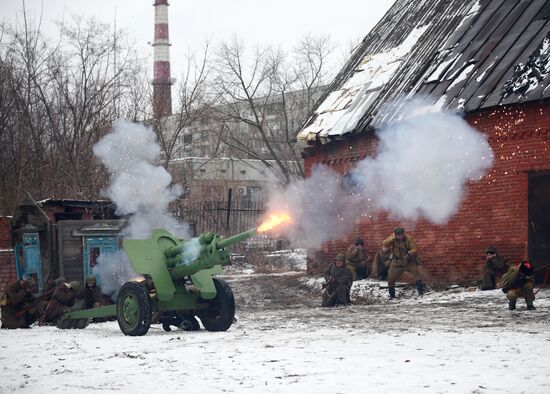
x,y
176,276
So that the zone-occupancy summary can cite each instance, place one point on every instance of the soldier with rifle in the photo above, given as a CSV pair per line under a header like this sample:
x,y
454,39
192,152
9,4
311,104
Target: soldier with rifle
x,y
15,311
403,251
63,299
338,280
518,282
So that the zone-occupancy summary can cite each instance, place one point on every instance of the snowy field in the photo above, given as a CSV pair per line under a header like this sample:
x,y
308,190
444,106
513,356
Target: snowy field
x,y
282,342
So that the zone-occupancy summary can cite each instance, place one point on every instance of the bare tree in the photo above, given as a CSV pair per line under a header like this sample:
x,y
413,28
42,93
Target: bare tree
x,y
61,98
192,105
264,98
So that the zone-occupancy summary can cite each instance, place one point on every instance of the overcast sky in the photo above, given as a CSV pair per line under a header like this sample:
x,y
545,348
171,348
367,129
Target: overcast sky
x,y
281,23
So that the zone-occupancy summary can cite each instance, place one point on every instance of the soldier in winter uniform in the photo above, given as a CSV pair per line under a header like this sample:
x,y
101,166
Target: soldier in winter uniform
x,y
381,263
494,264
357,260
403,251
19,295
518,282
91,294
51,284
338,283
62,300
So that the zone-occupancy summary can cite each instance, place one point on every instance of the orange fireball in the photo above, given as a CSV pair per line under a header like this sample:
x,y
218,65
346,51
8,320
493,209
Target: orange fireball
x,y
274,220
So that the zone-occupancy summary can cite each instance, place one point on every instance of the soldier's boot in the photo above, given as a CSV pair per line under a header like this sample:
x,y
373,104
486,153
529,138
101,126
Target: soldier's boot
x,y
531,307
511,304
420,287
392,292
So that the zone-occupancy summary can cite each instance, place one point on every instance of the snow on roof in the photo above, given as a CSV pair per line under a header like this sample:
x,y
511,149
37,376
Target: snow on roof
x,y
343,108
465,54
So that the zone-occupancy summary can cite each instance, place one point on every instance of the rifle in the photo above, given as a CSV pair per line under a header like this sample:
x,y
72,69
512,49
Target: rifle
x,y
520,280
329,284
541,268
31,305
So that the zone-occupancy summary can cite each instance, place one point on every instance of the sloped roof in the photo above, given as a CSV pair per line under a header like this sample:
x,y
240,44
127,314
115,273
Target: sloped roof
x,y
465,54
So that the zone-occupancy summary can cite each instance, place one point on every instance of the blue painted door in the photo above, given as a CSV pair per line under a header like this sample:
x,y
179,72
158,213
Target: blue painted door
x,y
93,248
27,259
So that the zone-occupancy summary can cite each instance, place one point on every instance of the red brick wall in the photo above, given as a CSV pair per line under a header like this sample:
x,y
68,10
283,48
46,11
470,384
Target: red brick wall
x,y
494,211
7,259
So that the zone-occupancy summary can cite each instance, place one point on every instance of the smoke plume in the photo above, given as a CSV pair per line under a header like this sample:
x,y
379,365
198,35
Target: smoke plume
x,y
138,185
420,171
141,190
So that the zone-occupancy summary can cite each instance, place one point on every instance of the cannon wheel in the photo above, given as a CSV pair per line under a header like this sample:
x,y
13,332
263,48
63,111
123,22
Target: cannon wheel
x,y
220,313
133,309
189,323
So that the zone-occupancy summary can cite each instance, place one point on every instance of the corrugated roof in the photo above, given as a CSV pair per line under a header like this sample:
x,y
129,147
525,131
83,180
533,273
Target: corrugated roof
x,y
466,54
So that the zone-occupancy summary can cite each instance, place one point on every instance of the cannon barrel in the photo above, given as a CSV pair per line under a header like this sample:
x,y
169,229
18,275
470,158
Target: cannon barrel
x,y
211,254
224,243
175,251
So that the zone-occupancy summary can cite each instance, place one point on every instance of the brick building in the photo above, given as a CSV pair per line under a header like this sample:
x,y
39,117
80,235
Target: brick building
x,y
7,258
486,59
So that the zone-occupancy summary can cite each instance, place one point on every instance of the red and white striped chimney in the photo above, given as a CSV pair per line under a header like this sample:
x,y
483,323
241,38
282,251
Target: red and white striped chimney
x,y
162,83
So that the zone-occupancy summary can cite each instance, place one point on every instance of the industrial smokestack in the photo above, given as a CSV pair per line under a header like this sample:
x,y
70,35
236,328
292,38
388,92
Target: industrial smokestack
x,y
162,83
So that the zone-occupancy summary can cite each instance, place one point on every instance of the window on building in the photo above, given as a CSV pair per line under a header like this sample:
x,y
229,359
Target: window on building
x,y
187,138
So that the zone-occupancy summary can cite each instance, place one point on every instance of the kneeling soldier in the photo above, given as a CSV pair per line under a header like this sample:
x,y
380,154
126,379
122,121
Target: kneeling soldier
x,y
338,283
519,282
15,311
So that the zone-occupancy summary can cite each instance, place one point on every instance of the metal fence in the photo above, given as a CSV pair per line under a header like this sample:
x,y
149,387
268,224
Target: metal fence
x,y
229,218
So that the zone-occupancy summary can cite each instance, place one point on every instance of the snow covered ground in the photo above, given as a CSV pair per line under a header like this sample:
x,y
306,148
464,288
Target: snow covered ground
x,y
445,342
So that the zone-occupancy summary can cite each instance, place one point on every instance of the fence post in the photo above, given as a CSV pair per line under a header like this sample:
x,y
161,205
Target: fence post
x,y
229,194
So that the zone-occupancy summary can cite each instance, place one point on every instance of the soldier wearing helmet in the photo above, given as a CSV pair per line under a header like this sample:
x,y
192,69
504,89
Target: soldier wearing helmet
x,y
63,299
18,296
338,280
494,265
357,260
403,258
91,294
518,282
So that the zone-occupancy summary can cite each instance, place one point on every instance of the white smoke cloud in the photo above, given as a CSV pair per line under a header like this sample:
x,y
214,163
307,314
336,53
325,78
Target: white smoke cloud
x,y
319,209
420,170
112,271
141,190
138,185
423,164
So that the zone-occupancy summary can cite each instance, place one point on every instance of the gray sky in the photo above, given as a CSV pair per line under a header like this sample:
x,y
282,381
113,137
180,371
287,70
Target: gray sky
x,y
281,23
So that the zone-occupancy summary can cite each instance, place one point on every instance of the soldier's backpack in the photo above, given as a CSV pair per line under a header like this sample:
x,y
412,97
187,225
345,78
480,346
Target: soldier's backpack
x,y
508,279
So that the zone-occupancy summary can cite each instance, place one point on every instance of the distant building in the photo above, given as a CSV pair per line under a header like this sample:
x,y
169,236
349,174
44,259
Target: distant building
x,y
52,238
223,150
489,59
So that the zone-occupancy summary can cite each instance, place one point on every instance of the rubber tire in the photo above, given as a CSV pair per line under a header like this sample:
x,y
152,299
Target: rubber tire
x,y
189,323
144,309
219,316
